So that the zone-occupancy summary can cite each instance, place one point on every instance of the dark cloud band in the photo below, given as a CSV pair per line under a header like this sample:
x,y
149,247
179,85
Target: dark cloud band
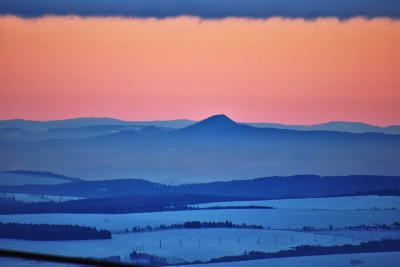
x,y
207,9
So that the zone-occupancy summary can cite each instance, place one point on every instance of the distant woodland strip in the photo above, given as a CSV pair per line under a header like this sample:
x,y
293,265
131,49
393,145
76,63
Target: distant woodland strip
x,y
117,205
194,225
384,245
46,232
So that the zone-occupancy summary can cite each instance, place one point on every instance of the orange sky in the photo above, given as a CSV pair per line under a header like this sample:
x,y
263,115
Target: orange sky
x,y
275,70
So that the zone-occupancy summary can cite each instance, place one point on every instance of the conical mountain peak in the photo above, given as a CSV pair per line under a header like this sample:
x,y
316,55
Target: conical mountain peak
x,y
214,123
219,119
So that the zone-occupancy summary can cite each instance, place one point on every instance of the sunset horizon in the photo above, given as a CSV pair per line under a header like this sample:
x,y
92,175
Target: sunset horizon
x,y
317,71
196,120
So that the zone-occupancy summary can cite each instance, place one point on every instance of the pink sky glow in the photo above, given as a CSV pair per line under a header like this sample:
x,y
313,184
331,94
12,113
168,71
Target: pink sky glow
x,y
275,70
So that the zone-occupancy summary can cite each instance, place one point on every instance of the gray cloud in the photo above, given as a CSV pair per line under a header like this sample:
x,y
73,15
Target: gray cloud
x,y
206,9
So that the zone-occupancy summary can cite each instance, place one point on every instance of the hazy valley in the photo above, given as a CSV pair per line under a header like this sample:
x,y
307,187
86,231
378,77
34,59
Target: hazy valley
x,y
214,149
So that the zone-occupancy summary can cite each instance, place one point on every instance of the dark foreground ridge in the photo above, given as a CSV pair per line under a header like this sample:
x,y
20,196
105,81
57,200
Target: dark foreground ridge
x,y
61,259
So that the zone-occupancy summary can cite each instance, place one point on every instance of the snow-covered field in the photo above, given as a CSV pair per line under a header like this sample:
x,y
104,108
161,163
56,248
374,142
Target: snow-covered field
x,y
197,244
204,244
273,218
37,198
387,259
334,203
13,262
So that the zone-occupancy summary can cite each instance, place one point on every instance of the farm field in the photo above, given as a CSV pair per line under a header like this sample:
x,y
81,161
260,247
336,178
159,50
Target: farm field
x,y
12,262
283,229
273,218
388,259
194,244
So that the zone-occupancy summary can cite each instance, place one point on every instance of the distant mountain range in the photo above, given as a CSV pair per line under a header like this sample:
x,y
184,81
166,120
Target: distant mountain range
x,y
40,126
339,126
216,148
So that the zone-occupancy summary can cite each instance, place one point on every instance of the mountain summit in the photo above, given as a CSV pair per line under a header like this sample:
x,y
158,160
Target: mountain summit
x,y
213,123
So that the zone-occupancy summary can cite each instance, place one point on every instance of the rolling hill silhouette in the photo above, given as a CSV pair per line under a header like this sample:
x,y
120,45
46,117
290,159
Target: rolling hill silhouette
x,y
298,186
216,148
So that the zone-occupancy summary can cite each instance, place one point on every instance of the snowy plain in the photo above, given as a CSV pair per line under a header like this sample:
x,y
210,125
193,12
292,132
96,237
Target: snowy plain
x,y
284,222
193,244
387,259
273,218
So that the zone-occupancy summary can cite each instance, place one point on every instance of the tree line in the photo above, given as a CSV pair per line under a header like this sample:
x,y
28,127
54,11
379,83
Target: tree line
x,y
384,245
46,232
195,225
393,226
116,205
